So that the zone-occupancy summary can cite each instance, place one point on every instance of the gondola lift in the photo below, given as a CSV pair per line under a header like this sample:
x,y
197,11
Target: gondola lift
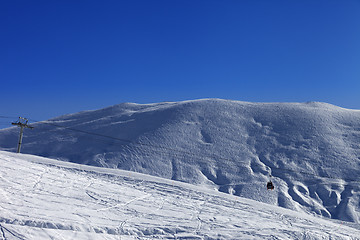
x,y
270,185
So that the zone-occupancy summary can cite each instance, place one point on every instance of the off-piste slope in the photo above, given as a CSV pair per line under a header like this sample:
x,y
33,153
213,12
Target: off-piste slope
x,y
310,149
48,199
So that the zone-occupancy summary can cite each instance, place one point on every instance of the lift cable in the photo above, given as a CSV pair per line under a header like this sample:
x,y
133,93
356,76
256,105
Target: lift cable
x,y
129,141
172,152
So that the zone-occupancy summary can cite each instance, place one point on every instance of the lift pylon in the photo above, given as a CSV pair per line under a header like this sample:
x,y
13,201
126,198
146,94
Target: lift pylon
x,y
22,123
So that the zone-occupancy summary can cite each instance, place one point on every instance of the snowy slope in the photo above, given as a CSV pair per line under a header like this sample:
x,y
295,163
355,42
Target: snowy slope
x,y
48,199
311,149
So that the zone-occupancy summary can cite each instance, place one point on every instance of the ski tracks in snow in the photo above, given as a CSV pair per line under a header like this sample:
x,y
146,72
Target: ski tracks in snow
x,y
69,203
119,205
16,235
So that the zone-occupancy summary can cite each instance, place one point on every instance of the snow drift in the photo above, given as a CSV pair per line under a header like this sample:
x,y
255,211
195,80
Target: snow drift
x,y
310,149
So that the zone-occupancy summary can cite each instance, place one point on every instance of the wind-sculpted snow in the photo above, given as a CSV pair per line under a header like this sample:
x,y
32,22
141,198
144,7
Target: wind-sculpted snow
x,y
312,150
49,199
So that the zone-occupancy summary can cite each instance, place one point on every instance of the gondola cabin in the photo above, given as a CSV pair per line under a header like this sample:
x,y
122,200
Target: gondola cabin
x,y
270,185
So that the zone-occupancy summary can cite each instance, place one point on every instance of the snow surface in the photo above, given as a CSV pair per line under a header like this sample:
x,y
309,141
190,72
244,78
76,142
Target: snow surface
x,y
311,149
49,199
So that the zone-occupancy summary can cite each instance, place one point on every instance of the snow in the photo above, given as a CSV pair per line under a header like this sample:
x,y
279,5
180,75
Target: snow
x,y
48,199
310,149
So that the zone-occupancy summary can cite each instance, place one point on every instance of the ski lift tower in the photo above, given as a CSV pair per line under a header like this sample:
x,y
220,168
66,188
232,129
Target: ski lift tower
x,y
22,123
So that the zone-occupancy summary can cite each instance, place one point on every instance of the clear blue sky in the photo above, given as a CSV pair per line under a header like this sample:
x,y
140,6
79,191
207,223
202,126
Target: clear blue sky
x,y
61,57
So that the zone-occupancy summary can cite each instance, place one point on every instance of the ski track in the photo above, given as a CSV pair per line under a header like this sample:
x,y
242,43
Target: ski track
x,y
45,201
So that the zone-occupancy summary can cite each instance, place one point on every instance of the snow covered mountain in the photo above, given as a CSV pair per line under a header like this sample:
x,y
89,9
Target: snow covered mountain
x,y
48,199
310,149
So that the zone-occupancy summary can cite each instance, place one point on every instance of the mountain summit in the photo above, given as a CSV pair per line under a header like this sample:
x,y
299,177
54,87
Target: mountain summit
x,y
310,150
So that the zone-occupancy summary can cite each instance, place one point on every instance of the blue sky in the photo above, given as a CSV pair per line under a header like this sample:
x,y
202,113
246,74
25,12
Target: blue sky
x,y
60,57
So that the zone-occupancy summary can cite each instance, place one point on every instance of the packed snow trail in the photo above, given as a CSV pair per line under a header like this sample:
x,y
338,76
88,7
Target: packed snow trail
x,y
48,199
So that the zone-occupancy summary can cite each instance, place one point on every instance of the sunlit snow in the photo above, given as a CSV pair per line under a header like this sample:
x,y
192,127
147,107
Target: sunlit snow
x,y
48,199
312,150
